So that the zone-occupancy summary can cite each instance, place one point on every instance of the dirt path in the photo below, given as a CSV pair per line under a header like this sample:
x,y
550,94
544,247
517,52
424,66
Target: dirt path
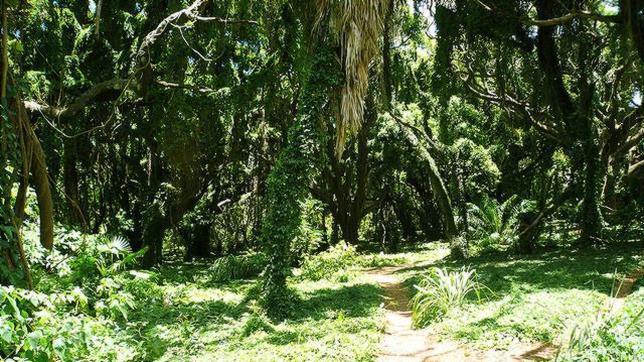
x,y
614,305
404,343
401,341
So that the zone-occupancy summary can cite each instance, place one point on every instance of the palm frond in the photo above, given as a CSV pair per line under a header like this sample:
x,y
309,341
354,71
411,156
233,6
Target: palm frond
x,y
119,244
356,26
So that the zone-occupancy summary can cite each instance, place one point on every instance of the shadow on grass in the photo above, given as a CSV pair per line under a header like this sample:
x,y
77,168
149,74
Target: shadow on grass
x,y
566,269
324,312
163,327
356,300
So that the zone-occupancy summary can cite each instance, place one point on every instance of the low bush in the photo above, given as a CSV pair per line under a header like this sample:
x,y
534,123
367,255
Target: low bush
x,y
232,267
327,263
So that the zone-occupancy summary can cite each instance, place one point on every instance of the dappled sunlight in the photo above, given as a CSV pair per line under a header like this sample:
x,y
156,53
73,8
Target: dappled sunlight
x,y
321,180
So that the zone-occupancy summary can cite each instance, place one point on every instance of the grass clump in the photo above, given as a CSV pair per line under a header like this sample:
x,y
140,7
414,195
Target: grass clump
x,y
440,291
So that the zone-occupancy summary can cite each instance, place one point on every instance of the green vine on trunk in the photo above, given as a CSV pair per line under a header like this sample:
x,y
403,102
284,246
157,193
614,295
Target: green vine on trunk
x,y
287,183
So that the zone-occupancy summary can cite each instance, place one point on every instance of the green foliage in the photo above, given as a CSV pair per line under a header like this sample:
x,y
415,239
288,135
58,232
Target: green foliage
x,y
441,291
493,225
474,164
312,228
325,264
59,326
233,267
29,329
606,336
222,134
84,293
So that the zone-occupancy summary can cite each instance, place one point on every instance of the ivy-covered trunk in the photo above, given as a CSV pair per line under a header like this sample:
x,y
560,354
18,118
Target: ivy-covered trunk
x,y
287,182
285,189
591,217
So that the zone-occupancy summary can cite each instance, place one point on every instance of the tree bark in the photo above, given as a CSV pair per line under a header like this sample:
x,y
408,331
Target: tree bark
x,y
440,194
40,177
43,194
70,180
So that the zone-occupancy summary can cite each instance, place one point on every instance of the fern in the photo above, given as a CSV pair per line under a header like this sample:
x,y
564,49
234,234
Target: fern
x,y
494,224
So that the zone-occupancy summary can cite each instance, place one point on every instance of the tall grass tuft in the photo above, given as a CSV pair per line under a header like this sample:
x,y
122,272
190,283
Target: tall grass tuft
x,y
440,291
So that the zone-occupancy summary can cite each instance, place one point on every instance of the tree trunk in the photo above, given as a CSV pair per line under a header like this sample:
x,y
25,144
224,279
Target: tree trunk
x,y
591,217
153,234
197,241
70,181
441,195
387,84
43,194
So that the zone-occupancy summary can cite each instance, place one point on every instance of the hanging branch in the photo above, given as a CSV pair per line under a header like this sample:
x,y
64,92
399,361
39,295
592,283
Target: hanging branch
x,y
3,99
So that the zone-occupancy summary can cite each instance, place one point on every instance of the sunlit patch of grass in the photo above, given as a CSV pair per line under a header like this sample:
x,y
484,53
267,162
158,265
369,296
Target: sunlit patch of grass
x,y
200,295
611,335
522,316
196,320
185,315
532,298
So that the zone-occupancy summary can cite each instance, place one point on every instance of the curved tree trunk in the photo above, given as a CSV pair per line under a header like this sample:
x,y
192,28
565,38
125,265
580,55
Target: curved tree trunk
x,y
40,177
440,194
43,193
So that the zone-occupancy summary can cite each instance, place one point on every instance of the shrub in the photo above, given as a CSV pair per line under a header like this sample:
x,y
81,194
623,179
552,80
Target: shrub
x,y
327,263
74,316
440,291
232,267
47,327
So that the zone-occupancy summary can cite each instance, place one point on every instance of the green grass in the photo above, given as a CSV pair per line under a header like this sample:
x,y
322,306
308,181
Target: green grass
x,y
190,317
185,313
533,298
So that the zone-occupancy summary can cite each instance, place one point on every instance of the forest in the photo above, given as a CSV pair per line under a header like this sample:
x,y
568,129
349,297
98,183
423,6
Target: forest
x,y
322,180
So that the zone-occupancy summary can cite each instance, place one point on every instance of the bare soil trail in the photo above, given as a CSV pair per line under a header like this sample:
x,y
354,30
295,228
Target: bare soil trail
x,y
615,304
404,343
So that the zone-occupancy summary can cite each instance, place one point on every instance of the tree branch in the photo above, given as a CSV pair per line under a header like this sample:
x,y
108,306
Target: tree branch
x,y
516,107
79,103
180,17
629,143
225,21
564,19
185,86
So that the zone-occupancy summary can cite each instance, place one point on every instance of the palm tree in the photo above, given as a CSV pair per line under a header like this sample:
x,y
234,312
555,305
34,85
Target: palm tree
x,y
356,26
